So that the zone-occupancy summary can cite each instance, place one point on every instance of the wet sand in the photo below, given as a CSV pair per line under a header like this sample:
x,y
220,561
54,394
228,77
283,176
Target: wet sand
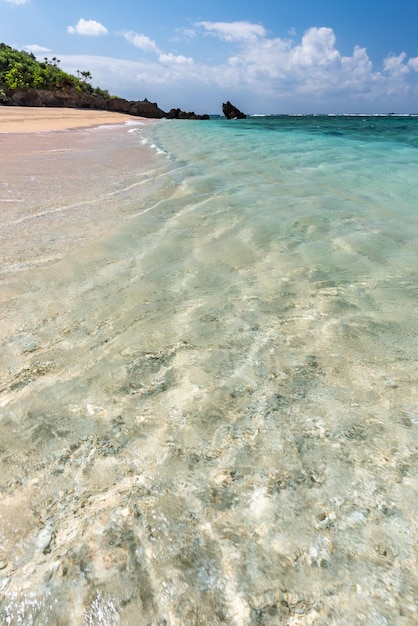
x,y
62,188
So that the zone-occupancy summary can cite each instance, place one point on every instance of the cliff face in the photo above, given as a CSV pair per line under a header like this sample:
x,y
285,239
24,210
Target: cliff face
x,y
72,99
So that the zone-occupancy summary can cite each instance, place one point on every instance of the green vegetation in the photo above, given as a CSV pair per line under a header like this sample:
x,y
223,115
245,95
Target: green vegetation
x,y
21,70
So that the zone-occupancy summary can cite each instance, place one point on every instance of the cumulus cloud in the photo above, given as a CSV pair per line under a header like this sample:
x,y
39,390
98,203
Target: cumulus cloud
x,y
33,47
146,44
234,31
413,63
280,74
311,66
173,59
395,65
317,49
141,41
88,27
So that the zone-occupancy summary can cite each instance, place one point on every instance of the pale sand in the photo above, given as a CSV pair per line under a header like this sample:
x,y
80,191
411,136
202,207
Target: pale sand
x,y
15,119
62,189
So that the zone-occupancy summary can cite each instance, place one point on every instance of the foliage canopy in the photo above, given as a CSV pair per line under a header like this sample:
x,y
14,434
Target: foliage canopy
x,y
21,70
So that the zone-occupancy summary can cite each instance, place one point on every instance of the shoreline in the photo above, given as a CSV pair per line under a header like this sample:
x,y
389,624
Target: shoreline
x,y
58,189
14,119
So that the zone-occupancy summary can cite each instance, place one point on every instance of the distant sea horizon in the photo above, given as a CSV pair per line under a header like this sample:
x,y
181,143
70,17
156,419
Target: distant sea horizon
x,y
327,114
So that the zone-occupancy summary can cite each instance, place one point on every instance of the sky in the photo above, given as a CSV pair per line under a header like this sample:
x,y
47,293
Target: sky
x,y
270,56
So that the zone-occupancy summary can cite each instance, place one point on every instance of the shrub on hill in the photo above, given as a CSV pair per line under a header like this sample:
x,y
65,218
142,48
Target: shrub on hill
x,y
21,70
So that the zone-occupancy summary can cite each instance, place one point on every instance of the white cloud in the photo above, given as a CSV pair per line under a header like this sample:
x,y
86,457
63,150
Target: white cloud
x,y
18,1
141,41
184,33
173,59
33,47
265,74
317,49
313,69
234,31
88,27
357,72
395,65
413,63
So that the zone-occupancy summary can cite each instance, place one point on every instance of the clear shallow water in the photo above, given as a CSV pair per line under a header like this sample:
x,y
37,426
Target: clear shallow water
x,y
209,405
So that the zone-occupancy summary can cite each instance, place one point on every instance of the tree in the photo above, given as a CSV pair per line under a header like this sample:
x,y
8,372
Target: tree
x,y
21,70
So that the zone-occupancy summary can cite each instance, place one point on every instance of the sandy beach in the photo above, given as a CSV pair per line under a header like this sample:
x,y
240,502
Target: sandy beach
x,y
38,119
53,159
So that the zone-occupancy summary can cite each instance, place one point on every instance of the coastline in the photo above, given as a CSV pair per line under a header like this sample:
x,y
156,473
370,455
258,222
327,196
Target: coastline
x,y
61,173
15,119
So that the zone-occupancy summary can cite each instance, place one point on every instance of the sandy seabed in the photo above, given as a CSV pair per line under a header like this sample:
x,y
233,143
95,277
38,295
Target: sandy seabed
x,y
62,195
189,434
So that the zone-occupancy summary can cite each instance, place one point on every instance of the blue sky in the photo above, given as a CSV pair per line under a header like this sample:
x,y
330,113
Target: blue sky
x,y
298,56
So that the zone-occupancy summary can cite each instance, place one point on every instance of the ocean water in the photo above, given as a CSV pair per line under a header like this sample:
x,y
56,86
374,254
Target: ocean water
x,y
208,350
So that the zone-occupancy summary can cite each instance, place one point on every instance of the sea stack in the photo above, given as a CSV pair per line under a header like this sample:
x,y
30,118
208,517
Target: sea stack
x,y
231,112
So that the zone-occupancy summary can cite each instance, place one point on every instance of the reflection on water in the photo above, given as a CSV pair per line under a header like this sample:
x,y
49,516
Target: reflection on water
x,y
208,414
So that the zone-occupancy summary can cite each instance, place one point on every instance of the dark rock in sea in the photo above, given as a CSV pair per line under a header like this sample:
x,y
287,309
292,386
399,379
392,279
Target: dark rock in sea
x,y
72,99
178,114
142,108
231,112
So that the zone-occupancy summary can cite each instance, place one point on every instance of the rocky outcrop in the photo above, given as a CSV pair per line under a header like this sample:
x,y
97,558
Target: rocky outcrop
x,y
142,108
231,112
72,99
178,114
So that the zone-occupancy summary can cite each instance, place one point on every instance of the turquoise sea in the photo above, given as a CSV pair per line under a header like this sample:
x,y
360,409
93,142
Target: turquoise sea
x,y
208,389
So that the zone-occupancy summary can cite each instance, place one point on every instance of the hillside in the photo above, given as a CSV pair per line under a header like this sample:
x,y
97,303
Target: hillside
x,y
25,81
21,70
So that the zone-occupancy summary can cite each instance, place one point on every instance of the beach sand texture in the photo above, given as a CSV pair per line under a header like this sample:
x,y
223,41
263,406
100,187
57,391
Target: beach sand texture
x,y
36,119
